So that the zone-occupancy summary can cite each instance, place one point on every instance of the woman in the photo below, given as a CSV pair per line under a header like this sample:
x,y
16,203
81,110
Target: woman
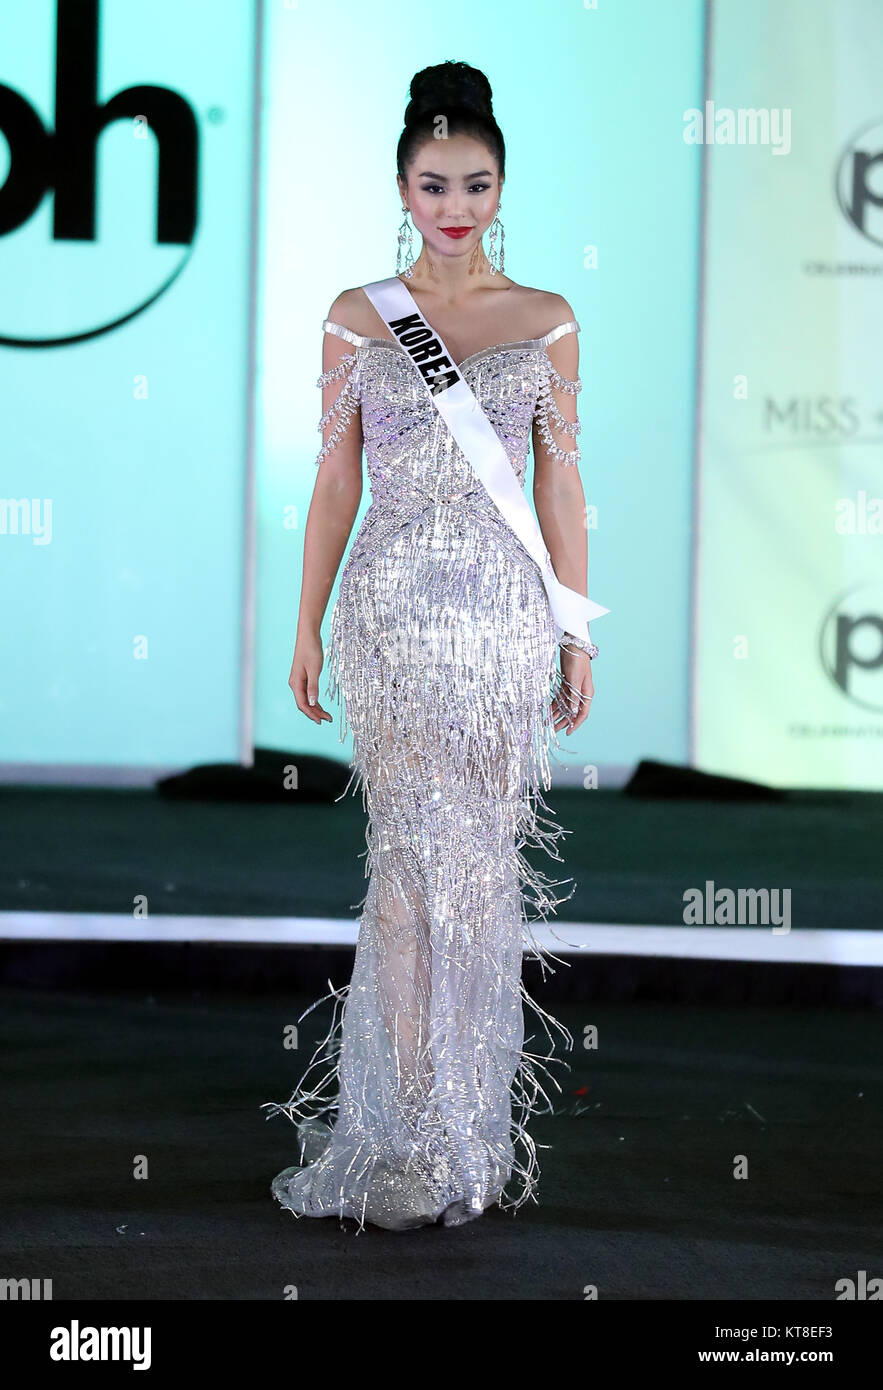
x,y
444,650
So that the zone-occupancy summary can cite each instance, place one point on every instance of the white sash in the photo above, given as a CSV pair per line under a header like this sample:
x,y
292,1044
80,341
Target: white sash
x,y
479,442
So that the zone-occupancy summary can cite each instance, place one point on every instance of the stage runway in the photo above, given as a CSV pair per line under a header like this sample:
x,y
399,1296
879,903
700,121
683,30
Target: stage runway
x,y
637,1195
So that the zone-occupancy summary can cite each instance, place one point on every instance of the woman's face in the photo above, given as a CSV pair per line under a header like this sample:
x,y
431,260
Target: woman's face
x,y
452,183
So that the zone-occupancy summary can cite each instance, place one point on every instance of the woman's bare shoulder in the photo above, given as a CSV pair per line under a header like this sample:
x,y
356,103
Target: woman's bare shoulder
x,y
543,310
353,309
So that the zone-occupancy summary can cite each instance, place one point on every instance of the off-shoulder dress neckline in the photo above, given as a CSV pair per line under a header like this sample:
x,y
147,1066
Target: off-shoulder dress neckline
x,y
525,344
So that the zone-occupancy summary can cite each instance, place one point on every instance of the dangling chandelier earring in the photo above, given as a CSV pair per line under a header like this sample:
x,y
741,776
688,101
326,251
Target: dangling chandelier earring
x,y
406,242
495,264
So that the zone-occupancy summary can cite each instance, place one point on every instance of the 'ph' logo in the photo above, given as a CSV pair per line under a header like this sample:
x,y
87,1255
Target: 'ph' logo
x,y
858,168
62,162
851,645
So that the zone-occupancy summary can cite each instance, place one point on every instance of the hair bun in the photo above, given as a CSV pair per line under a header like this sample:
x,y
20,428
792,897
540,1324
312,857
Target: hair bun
x,y
445,85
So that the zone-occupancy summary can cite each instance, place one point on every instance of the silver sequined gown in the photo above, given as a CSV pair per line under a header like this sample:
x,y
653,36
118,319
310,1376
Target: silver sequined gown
x,y
443,648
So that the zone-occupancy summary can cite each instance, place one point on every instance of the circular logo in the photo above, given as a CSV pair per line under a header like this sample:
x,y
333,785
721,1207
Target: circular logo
x,y
98,214
851,645
858,182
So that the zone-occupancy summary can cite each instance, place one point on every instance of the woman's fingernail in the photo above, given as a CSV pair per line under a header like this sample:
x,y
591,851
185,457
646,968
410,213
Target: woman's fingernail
x,y
312,699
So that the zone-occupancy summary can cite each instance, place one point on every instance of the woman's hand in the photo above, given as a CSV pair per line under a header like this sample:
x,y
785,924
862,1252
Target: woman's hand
x,y
573,701
304,678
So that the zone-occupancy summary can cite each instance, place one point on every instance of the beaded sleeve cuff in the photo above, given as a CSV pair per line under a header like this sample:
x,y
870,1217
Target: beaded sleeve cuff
x,y
548,413
344,405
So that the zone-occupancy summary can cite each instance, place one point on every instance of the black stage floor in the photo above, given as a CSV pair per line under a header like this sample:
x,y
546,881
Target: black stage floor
x,y
168,1051
637,1193
75,850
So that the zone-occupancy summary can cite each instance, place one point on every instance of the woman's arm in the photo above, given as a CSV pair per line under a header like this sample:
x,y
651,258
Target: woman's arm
x,y
333,508
561,511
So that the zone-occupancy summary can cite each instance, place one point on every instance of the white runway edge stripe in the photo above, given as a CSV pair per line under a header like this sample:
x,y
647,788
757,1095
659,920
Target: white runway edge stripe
x,y
799,945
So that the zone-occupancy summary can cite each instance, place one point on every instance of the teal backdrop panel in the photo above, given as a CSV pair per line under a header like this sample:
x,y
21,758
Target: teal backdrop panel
x,y
601,204
789,598
124,272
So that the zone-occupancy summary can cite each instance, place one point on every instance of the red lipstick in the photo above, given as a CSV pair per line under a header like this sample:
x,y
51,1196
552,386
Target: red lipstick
x,y
455,231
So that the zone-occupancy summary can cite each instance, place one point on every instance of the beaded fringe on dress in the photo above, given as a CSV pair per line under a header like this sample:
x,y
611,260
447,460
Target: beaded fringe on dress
x,y
414,1107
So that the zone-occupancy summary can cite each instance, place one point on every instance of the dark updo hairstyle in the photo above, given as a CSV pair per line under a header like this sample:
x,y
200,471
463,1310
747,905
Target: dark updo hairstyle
x,y
462,95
